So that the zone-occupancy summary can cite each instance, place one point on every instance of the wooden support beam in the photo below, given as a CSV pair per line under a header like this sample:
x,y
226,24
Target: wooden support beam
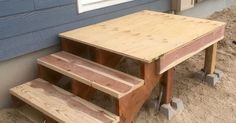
x,y
167,82
210,59
127,107
177,56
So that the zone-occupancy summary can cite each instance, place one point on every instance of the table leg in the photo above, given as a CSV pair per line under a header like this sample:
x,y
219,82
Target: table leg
x,y
210,59
170,105
210,74
167,83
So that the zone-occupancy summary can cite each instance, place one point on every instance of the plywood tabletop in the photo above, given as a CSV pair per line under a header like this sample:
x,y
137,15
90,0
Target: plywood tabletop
x,y
144,35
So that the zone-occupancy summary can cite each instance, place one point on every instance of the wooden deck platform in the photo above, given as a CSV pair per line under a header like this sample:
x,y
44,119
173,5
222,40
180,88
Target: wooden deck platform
x,y
146,35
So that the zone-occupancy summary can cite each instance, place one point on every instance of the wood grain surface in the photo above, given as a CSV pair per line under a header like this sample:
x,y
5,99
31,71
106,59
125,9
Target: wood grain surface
x,y
95,75
144,35
61,105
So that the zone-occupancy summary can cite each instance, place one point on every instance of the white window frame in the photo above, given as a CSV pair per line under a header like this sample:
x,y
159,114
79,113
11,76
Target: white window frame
x,y
88,5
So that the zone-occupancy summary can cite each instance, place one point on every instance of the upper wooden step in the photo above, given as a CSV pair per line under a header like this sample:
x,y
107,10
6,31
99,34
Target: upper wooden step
x,y
61,105
105,79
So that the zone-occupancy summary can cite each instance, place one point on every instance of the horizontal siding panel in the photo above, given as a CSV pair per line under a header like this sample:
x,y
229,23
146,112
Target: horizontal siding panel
x,y
20,45
9,7
38,20
43,4
30,42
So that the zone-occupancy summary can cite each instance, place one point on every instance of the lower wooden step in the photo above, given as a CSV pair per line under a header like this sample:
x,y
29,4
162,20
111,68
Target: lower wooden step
x,y
61,105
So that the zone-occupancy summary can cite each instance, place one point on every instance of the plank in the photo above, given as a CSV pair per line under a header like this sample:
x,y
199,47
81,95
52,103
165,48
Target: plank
x,y
143,39
97,76
60,104
210,59
178,55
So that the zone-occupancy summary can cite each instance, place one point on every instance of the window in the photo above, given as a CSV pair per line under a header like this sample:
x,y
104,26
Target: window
x,y
87,5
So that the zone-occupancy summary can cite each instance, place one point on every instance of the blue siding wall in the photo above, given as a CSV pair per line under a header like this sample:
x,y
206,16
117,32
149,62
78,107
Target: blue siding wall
x,y
30,25
9,7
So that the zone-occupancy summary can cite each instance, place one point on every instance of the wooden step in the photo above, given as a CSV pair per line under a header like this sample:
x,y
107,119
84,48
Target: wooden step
x,y
61,105
105,79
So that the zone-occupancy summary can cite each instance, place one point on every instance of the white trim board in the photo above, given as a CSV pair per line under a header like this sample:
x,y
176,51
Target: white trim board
x,y
88,5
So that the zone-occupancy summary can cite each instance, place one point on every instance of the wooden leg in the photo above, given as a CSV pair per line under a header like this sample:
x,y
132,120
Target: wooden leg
x,y
167,82
210,59
127,107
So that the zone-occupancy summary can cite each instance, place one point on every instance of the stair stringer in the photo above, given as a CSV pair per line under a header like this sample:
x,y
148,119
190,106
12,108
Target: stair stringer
x,y
128,106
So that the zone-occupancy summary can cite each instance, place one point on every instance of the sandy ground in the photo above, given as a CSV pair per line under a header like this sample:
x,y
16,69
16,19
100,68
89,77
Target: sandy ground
x,y
202,103
12,116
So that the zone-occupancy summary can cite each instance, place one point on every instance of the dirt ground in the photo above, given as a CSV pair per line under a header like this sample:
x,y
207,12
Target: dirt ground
x,y
202,102
12,116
